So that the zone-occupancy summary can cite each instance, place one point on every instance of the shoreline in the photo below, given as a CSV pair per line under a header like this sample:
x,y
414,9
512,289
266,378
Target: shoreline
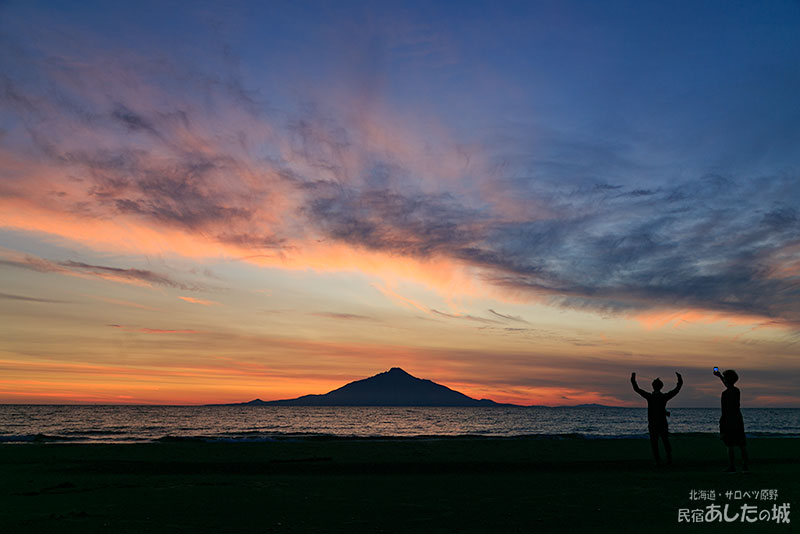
x,y
290,437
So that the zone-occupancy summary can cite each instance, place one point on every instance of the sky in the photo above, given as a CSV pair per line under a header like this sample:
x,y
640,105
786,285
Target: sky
x,y
524,201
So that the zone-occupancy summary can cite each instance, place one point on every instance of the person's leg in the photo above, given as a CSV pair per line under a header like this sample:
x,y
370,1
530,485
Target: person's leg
x,y
654,445
731,459
667,446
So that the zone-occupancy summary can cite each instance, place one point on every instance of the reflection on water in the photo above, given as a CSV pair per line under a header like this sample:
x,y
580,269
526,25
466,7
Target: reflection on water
x,y
254,423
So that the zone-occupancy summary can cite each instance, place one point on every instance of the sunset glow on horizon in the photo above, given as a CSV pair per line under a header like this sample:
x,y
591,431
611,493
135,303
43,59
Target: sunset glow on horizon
x,y
524,202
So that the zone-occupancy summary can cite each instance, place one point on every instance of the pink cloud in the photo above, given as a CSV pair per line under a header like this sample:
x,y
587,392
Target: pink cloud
x,y
202,302
154,330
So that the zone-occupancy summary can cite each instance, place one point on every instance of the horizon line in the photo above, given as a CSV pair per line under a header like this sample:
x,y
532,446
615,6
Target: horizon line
x,y
501,405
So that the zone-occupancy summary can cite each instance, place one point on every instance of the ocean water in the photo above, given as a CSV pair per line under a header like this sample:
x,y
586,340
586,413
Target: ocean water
x,y
126,424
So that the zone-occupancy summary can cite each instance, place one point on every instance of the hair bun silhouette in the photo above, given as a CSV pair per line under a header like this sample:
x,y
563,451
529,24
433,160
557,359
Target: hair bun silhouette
x,y
730,376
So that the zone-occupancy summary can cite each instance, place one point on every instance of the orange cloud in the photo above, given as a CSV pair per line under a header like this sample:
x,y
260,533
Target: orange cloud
x,y
202,302
128,236
154,330
163,331
400,299
678,318
125,303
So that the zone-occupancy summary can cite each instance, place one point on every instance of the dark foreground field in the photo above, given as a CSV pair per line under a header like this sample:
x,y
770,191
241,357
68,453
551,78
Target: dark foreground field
x,y
449,485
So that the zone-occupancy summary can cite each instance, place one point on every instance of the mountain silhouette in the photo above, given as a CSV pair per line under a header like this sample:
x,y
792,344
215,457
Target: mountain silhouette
x,y
394,387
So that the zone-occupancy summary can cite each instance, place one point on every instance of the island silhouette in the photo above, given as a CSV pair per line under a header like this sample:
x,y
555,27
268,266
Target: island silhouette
x,y
394,387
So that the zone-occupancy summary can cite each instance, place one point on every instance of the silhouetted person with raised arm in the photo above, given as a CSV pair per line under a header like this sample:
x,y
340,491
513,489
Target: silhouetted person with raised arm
x,y
657,414
731,424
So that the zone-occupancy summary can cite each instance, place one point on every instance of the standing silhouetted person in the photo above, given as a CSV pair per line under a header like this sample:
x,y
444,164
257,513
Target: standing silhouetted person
x,y
731,424
657,414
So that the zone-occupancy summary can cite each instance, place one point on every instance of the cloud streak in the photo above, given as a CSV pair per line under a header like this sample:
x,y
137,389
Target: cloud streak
x,y
202,302
343,316
465,317
114,274
23,298
156,331
514,318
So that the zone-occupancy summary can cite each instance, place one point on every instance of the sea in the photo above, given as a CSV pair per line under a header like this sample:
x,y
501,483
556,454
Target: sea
x,y
21,424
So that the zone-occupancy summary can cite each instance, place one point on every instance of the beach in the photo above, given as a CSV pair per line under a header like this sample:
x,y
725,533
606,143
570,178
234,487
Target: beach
x,y
464,484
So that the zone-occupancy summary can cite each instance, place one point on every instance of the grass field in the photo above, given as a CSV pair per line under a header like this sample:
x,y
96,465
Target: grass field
x,y
446,485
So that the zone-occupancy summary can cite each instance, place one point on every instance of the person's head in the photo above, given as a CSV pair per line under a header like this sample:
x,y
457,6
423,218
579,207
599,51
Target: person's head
x,y
730,377
657,384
